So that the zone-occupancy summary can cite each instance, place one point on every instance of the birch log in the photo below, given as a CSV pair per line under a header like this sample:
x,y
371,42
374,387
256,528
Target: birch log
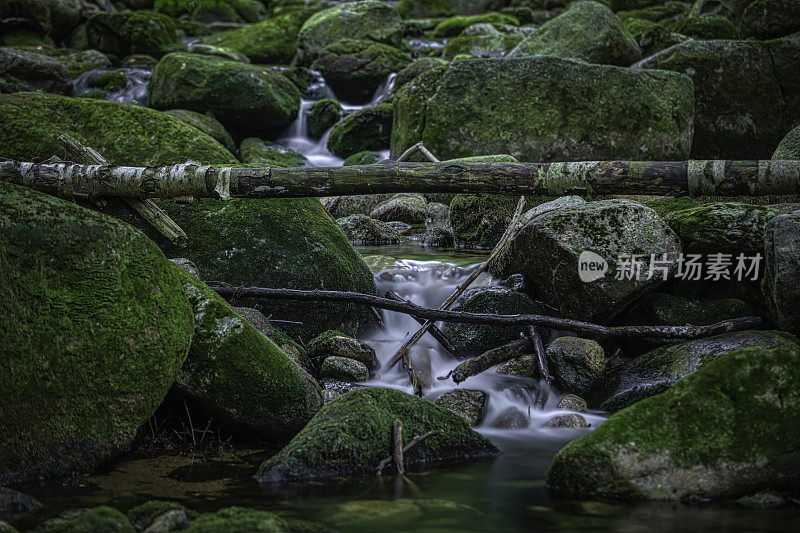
x,y
696,178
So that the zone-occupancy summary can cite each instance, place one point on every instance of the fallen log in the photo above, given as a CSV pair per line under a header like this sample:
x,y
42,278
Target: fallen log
x,y
696,178
595,331
489,358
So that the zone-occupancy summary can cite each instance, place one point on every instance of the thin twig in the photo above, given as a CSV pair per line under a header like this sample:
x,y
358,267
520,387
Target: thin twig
x,y
191,426
397,448
435,332
419,147
541,357
413,442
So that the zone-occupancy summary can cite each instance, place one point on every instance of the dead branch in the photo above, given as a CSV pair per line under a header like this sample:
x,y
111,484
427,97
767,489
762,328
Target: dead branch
x,y
488,359
413,442
435,332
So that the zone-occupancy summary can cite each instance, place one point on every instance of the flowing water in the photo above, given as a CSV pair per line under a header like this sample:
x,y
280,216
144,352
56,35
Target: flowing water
x,y
137,80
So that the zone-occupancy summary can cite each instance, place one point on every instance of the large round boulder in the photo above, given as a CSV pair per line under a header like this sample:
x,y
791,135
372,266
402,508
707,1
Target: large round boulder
x,y
131,32
366,129
270,42
95,326
789,147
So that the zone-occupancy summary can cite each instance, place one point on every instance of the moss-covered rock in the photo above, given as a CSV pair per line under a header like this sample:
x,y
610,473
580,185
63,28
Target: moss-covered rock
x,y
747,93
364,157
572,421
271,41
353,433
362,204
548,247
404,207
525,366
296,353
131,32
589,31
446,8
789,147
467,403
767,19
25,15
78,61
238,520
453,26
277,243
95,327
243,97
575,363
437,237
336,343
721,433
363,230
722,227
343,369
474,339
208,125
322,115
366,129
571,402
30,124
101,518
659,369
511,418
651,36
370,19
5,527
479,220
704,27
355,68
254,151
415,69
492,45
781,285
24,70
142,516
575,111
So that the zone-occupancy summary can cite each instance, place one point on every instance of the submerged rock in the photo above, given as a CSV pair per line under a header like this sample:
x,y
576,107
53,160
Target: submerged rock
x,y
238,520
243,97
576,112
467,403
144,515
26,70
206,124
95,326
575,363
405,207
589,31
547,250
402,514
131,32
781,284
366,129
659,369
343,369
353,433
721,433
361,229
338,344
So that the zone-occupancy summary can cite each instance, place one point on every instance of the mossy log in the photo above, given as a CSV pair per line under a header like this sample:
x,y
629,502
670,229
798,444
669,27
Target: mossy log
x,y
696,178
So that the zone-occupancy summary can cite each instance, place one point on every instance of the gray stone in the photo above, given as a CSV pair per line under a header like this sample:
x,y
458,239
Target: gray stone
x,y
571,402
409,208
338,344
566,421
467,403
511,418
361,229
575,363
343,369
781,283
15,505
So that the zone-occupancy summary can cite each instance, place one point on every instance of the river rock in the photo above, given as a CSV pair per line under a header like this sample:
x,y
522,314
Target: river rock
x,y
446,8
24,70
355,68
657,309
781,285
101,518
352,434
747,93
491,45
240,519
244,97
721,433
479,220
575,363
366,129
322,115
415,69
30,124
405,207
474,339
254,151
659,369
614,112
257,319
15,505
437,238
364,157
131,32
467,403
368,19
343,369
362,204
526,366
566,421
732,228
450,27
511,418
589,31
548,247
271,42
206,124
25,16
789,147
239,375
360,229
571,402
144,515
336,343
74,400
767,19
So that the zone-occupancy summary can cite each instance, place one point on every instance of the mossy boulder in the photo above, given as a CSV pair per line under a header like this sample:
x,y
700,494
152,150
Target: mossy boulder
x,y
24,70
360,204
366,129
208,125
244,97
492,45
343,369
589,31
364,157
572,421
721,433
789,147
479,220
575,363
453,26
101,518
95,328
363,230
446,8
277,243
79,61
370,19
575,111
131,32
747,93
767,19
355,68
271,41
659,369
474,339
30,124
254,151
336,343
322,115
353,433
404,207
144,515
651,36
467,403
239,375
548,247
296,353
704,27
238,520
781,285
722,227
415,69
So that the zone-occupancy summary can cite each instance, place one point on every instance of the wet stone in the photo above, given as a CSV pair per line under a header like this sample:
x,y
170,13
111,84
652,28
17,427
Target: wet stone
x,y
467,403
566,421
572,402
511,418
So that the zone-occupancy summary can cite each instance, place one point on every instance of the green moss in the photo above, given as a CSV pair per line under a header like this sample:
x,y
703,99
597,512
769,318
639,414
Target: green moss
x,y
238,520
101,518
78,61
112,81
425,8
131,32
481,45
351,434
95,327
255,151
478,221
365,157
366,129
767,19
789,147
664,205
651,36
409,113
455,25
27,39
705,27
207,125
722,433
271,41
416,68
142,516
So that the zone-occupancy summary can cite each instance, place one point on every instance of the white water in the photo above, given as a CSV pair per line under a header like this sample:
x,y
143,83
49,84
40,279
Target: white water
x,y
134,92
429,283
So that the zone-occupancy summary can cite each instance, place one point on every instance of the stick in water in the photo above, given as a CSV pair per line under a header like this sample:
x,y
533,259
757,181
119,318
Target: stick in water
x,y
397,448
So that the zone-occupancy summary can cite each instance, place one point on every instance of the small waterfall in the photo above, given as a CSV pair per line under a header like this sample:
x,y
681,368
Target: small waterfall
x,y
429,283
137,80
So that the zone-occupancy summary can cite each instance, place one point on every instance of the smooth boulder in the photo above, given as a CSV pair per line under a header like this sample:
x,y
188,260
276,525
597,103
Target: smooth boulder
x,y
575,363
366,129
131,32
